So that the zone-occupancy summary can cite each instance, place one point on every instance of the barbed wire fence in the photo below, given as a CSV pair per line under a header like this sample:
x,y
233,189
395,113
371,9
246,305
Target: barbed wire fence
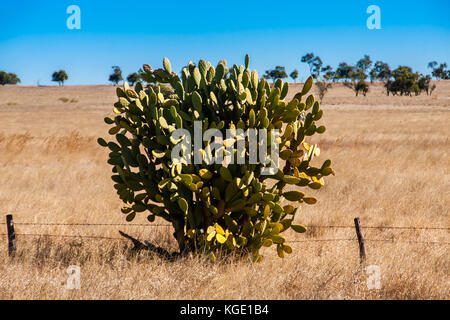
x,y
169,225
11,234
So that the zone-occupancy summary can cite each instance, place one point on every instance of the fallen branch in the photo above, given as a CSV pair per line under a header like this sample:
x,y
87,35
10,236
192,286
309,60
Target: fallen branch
x,y
138,245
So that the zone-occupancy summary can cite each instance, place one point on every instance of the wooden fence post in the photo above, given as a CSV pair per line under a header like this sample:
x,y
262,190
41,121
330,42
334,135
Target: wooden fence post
x,y
362,248
11,235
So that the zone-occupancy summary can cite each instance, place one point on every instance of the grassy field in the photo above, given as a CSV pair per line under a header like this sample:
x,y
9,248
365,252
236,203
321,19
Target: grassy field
x,y
392,161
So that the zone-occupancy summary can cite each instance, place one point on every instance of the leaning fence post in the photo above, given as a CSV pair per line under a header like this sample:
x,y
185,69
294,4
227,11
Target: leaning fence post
x,y
362,248
11,235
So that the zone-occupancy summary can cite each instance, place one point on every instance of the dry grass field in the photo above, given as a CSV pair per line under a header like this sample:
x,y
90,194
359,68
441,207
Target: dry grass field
x,y
392,161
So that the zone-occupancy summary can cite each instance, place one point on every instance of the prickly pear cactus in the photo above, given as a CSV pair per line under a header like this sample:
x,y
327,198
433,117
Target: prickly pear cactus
x,y
214,206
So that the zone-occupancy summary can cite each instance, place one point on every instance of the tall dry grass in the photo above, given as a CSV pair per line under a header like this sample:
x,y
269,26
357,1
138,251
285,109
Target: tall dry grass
x,y
392,169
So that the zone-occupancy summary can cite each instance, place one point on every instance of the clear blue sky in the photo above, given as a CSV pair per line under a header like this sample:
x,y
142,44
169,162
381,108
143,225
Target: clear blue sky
x,y
35,41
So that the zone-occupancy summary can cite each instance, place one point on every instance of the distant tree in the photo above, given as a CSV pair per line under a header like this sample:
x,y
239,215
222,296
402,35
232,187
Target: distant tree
x,y
431,89
364,64
357,83
133,78
362,86
116,76
432,64
316,70
307,58
13,78
314,63
357,86
357,73
294,74
380,71
343,71
323,75
141,73
373,75
4,78
278,73
406,78
60,76
322,87
405,81
323,81
423,83
439,71
328,73
316,66
8,78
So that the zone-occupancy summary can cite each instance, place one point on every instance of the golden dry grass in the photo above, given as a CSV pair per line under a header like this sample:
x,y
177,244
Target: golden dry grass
x,y
391,156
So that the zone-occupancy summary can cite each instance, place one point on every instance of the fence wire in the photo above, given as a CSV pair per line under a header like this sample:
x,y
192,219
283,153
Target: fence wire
x,y
65,236
370,240
287,241
168,225
87,224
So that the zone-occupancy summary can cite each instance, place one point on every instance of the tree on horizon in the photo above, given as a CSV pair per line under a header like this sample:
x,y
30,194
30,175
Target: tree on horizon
x,y
60,76
133,78
294,74
13,78
8,78
116,76
278,73
439,71
323,75
364,64
357,76
314,63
